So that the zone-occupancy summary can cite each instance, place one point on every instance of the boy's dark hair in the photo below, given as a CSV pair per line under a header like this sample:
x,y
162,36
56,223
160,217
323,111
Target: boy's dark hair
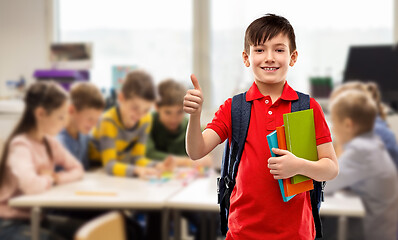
x,y
86,95
266,28
171,93
139,84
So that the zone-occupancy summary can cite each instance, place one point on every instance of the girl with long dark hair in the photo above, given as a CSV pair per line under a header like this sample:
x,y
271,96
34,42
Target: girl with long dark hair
x,y
30,154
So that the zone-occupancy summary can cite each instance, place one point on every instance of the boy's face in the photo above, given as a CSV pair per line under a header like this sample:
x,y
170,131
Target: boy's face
x,y
171,116
133,109
270,61
85,119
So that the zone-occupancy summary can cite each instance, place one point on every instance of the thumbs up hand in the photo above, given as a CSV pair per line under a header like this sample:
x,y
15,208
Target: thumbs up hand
x,y
193,100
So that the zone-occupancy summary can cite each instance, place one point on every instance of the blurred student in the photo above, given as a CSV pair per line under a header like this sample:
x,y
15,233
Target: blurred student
x,y
366,168
169,127
85,109
167,137
119,139
381,127
338,90
30,154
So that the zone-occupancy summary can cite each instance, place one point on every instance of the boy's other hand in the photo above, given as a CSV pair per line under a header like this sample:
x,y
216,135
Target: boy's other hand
x,y
284,166
146,172
167,165
193,100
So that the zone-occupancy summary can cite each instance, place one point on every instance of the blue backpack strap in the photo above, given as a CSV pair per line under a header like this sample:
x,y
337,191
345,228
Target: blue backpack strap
x,y
240,118
303,103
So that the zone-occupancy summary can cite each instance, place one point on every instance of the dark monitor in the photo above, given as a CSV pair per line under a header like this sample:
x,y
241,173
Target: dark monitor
x,y
378,64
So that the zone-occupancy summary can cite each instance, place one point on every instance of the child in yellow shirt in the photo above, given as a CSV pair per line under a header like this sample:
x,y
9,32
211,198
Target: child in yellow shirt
x,y
119,139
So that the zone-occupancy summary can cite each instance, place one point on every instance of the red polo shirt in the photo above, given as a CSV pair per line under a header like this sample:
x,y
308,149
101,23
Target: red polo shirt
x,y
257,210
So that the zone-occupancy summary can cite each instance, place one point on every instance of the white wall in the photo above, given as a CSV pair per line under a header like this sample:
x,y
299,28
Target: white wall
x,y
25,32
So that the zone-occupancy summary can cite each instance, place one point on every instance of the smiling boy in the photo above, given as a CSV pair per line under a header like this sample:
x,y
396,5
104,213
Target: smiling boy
x,y
257,210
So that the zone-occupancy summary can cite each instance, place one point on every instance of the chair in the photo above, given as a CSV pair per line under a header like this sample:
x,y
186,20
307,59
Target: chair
x,y
108,226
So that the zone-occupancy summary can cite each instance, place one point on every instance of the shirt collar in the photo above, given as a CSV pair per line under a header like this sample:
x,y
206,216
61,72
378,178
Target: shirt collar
x,y
288,93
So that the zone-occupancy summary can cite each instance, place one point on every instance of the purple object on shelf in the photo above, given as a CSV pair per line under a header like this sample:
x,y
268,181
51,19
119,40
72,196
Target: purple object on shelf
x,y
64,77
55,73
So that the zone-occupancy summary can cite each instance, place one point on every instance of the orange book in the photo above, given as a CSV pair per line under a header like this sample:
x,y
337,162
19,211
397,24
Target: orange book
x,y
280,133
289,188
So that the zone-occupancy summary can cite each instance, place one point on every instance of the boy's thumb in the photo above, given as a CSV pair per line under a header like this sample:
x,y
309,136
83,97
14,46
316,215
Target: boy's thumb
x,y
276,150
195,82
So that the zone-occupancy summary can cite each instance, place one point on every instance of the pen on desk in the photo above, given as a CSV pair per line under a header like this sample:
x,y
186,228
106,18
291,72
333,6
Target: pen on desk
x,y
89,193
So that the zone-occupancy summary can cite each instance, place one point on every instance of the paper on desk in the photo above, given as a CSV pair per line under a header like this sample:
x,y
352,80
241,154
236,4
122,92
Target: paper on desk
x,y
92,193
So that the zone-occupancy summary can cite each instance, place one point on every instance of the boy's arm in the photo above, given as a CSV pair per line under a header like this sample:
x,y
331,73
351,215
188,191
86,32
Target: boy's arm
x,y
326,168
198,144
288,165
353,170
106,135
139,149
151,151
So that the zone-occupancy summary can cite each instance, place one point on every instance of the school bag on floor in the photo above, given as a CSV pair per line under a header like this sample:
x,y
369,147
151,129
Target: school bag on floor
x,y
240,118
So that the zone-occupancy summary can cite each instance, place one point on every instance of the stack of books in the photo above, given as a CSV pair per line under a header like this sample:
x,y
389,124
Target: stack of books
x,y
297,135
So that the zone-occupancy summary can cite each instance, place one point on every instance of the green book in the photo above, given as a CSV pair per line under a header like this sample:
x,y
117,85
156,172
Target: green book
x,y
300,137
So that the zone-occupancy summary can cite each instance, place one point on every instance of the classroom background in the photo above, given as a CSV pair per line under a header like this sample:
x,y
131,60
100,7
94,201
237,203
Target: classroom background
x,y
100,41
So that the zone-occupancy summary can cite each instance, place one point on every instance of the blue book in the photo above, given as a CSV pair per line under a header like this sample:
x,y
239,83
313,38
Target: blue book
x,y
273,143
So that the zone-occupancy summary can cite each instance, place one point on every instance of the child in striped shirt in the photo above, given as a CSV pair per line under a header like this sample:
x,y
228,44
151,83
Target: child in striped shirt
x,y
119,139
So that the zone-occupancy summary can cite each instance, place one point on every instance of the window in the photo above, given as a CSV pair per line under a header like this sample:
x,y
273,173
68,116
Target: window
x,y
157,36
324,32
154,35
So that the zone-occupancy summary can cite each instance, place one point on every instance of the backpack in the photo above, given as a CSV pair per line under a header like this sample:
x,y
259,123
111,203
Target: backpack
x,y
240,118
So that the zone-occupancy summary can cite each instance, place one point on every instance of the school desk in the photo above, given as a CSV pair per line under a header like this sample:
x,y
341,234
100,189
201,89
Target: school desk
x,y
100,191
201,196
342,205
